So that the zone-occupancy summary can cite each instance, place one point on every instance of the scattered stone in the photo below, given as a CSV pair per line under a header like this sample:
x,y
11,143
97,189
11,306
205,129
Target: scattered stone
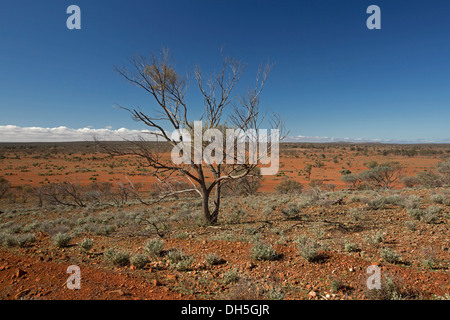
x,y
155,282
21,293
19,273
249,265
171,277
119,291
312,294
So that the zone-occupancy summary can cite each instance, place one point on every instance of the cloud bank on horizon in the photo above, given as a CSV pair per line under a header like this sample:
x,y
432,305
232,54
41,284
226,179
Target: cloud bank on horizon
x,y
12,133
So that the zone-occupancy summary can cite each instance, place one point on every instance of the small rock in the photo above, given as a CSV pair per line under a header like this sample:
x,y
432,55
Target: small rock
x,y
249,265
119,291
312,294
155,282
19,273
21,293
171,277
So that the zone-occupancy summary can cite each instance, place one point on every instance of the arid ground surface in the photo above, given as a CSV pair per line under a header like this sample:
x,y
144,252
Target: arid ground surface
x,y
313,244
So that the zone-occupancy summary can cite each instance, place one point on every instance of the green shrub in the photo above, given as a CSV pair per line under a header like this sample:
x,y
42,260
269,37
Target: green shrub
x,y
355,214
262,251
86,244
8,240
308,248
377,203
438,198
412,202
179,260
351,180
389,291
350,247
181,235
154,247
410,182
61,240
139,260
289,186
275,294
443,169
431,215
4,187
375,239
336,285
390,255
429,263
213,259
231,276
385,175
117,258
416,214
25,239
291,211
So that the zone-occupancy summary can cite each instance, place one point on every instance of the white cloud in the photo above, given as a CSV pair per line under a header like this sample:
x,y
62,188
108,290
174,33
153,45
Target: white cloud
x,y
301,138
11,133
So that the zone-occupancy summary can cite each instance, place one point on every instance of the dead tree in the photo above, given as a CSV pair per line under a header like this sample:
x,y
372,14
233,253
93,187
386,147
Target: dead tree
x,y
223,111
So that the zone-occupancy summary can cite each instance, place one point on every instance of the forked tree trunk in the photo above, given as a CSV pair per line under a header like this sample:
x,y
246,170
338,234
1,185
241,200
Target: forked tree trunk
x,y
211,217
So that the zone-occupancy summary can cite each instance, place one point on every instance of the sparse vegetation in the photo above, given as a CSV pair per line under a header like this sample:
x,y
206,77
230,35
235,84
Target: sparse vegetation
x,y
117,258
61,240
389,290
266,245
179,260
289,186
231,276
213,259
308,248
262,251
154,247
139,260
389,255
86,244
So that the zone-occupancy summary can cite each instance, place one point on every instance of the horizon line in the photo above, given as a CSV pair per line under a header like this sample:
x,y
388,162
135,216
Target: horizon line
x,y
18,134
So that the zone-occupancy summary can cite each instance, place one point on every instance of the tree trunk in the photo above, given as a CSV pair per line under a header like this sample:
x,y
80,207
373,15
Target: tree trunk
x,y
215,214
211,217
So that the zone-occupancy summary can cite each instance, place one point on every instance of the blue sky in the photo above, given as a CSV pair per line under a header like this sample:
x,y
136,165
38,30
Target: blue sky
x,y
332,77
